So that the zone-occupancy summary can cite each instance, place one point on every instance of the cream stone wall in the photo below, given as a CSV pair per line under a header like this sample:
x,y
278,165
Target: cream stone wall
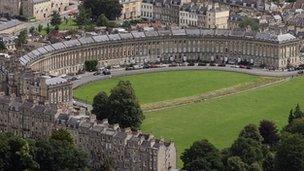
x,y
192,47
42,9
38,9
217,19
131,9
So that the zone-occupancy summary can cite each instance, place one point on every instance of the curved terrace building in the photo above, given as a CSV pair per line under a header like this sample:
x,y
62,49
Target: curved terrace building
x,y
276,51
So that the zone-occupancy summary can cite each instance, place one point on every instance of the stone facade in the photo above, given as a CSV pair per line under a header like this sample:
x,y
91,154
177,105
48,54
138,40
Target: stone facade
x,y
275,51
130,9
204,16
33,106
26,119
147,10
129,151
10,7
42,9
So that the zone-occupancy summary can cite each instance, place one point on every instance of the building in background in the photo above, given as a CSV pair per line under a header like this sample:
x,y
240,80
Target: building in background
x,y
131,9
147,9
10,7
204,15
217,17
42,9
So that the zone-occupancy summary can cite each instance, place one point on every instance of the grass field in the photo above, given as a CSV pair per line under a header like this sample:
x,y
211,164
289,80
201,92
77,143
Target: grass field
x,y
220,120
154,87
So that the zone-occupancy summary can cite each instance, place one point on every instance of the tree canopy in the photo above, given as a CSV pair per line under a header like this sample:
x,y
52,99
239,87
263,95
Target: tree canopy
x,y
84,16
55,18
251,131
256,149
48,154
2,46
290,153
269,132
16,154
22,38
102,20
100,106
63,135
296,126
249,22
110,8
295,114
121,106
91,65
202,155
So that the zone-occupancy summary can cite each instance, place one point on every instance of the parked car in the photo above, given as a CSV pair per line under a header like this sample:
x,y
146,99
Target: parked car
x,y
202,64
97,73
106,72
173,65
221,65
191,64
301,72
137,67
212,64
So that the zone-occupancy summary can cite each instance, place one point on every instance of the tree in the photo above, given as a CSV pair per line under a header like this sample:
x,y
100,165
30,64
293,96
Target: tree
x,y
2,46
269,132
269,162
255,167
121,106
100,106
91,65
48,29
296,126
32,30
202,155
40,27
251,131
110,8
290,153
253,23
52,155
22,38
235,163
102,20
297,113
84,16
55,18
248,149
63,135
15,154
124,107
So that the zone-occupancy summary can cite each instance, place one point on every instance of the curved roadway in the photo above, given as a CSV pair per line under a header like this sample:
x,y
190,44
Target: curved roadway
x,y
89,77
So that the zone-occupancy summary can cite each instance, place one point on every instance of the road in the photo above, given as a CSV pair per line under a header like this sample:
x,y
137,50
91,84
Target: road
x,y
89,77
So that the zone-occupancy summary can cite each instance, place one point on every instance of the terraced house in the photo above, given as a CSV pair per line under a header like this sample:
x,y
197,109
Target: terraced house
x,y
33,105
275,51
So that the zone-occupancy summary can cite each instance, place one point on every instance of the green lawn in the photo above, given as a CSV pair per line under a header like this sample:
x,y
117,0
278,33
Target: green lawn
x,y
69,25
154,87
220,120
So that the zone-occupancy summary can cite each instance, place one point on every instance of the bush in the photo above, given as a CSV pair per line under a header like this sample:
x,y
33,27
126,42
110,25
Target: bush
x,y
90,65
